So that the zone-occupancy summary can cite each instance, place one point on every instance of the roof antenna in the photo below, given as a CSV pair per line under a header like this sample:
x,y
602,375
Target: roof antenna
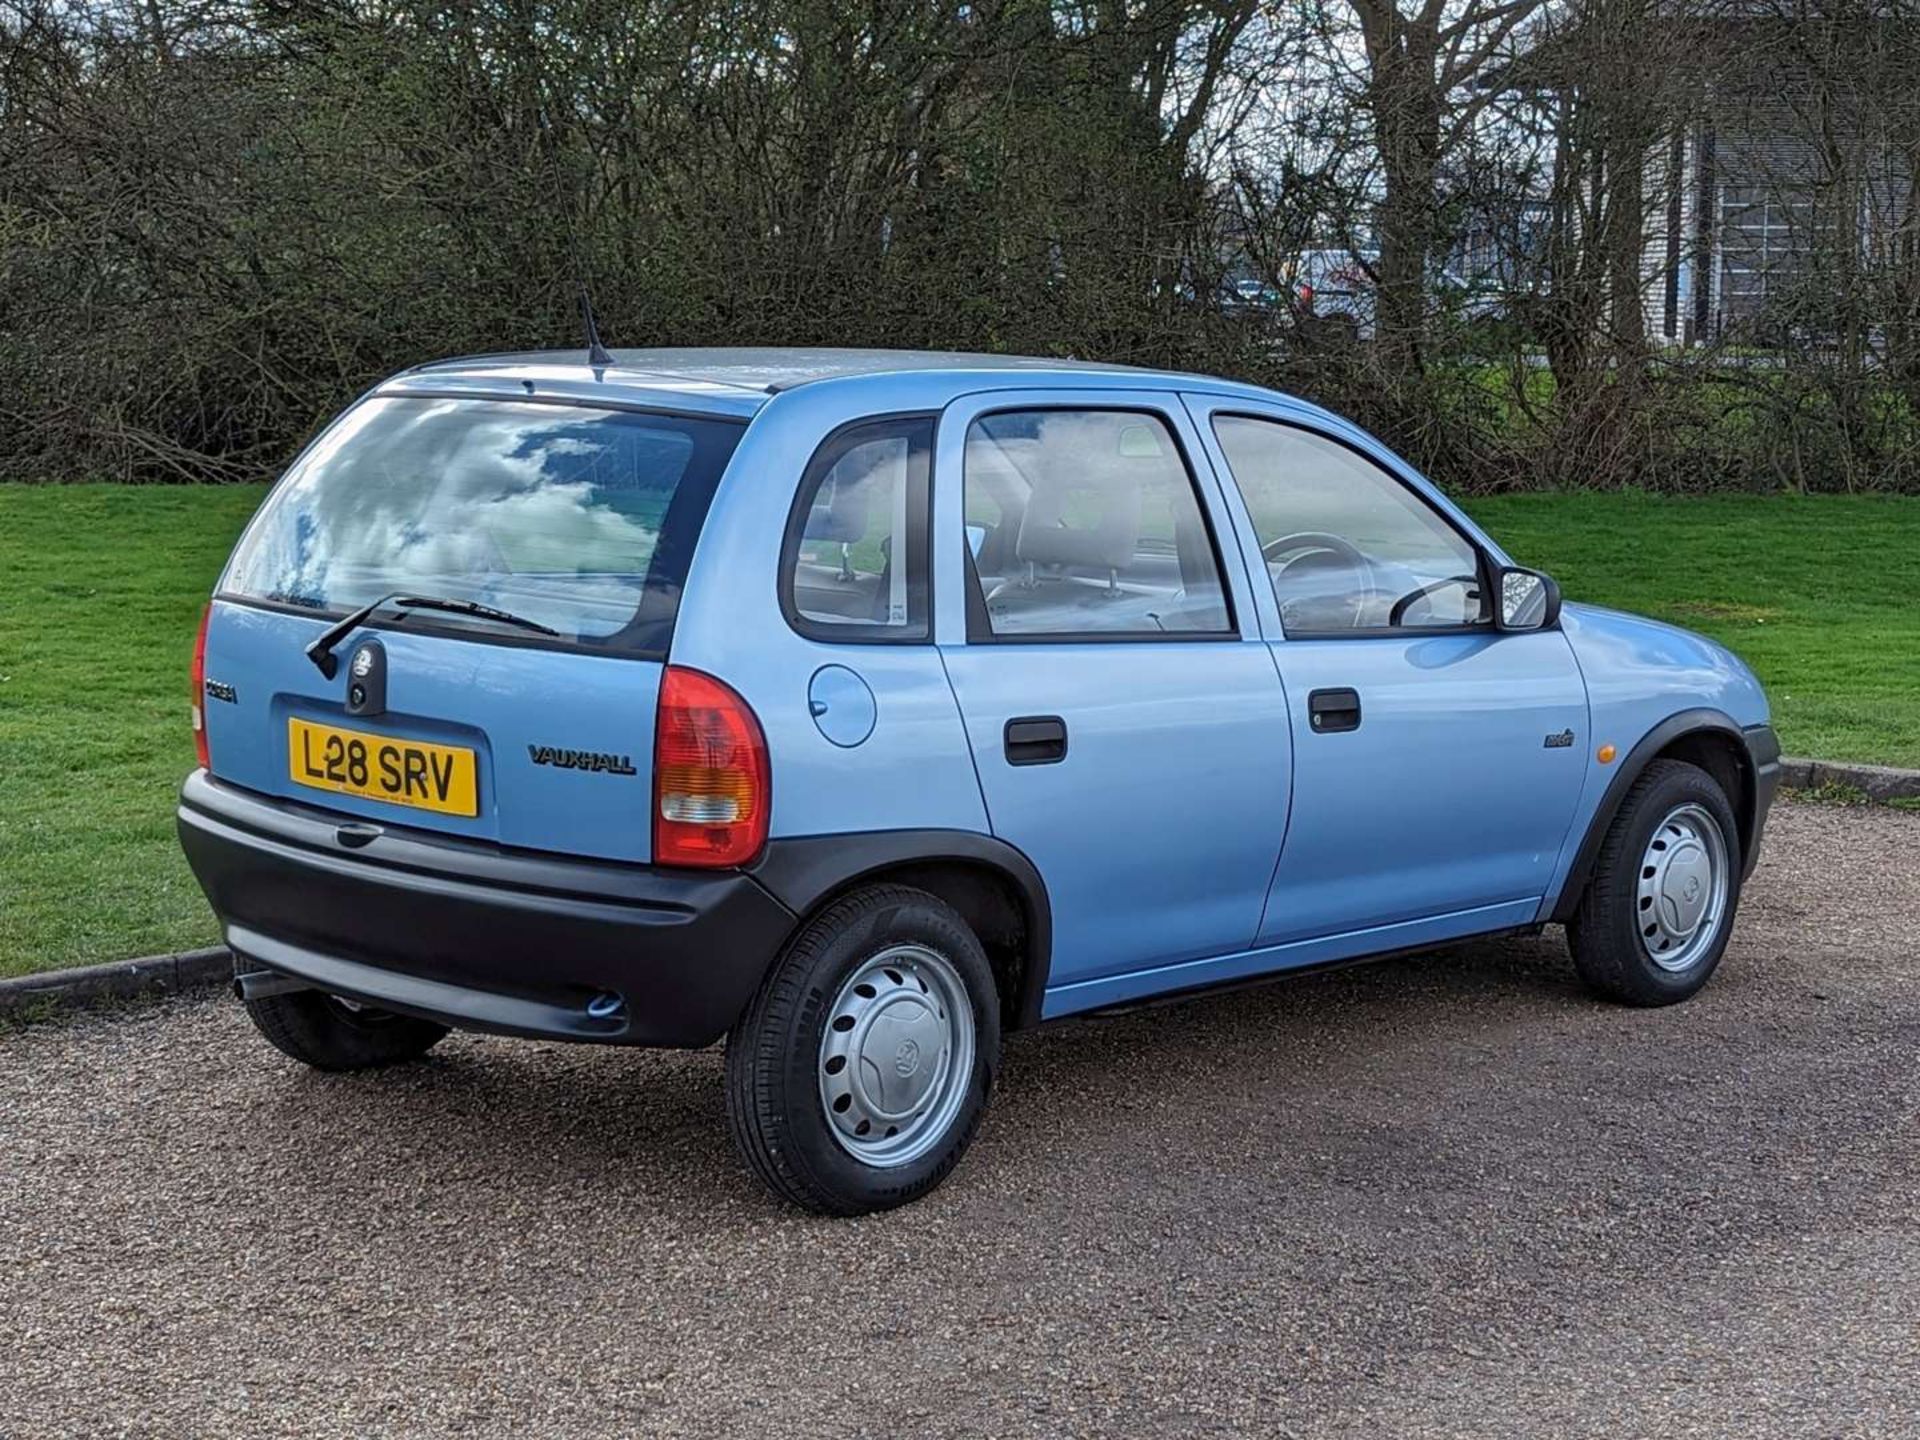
x,y
598,355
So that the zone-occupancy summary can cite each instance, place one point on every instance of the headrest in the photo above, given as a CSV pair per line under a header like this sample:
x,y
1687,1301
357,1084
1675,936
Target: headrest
x,y
840,508
1101,492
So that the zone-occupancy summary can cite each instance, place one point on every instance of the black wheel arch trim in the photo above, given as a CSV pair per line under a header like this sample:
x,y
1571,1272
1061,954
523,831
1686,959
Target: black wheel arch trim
x,y
1759,750
803,872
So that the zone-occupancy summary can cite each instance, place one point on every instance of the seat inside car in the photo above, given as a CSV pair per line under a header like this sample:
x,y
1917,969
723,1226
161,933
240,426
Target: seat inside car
x,y
1086,553
827,581
1081,519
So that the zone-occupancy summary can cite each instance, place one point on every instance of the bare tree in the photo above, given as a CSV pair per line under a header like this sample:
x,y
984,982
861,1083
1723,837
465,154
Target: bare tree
x,y
220,219
1423,66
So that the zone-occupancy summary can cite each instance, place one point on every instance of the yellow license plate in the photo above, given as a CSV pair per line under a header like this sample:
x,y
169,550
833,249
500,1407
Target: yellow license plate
x,y
378,767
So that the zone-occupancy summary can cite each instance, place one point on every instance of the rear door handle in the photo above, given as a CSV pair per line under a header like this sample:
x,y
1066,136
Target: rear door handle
x,y
1329,711
1036,740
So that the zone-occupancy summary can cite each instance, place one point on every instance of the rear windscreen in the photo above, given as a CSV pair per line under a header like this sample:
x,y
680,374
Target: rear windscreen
x,y
581,519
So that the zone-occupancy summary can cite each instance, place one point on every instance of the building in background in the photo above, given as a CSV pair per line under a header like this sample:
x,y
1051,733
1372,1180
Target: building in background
x,y
1774,143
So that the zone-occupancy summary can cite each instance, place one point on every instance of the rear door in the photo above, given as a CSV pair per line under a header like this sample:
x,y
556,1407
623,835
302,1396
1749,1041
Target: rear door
x,y
1130,735
1440,760
579,519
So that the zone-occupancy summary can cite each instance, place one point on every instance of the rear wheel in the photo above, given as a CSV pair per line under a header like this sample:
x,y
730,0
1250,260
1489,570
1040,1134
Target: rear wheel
x,y
332,1033
1659,909
858,1075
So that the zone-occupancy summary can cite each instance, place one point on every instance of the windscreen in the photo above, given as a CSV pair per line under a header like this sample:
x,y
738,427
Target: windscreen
x,y
581,519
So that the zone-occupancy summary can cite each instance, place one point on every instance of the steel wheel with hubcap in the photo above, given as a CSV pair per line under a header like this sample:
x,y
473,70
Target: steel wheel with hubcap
x,y
1659,906
896,1056
859,1072
1682,891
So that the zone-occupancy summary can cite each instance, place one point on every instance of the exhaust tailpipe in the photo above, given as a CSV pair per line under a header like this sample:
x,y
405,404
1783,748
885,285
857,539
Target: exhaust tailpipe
x,y
259,984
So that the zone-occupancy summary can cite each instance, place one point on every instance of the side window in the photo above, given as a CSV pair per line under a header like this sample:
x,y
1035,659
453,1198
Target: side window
x,y
854,566
1086,523
1349,548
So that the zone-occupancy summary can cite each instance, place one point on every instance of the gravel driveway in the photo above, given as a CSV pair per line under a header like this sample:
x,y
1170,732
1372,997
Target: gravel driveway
x,y
1440,1196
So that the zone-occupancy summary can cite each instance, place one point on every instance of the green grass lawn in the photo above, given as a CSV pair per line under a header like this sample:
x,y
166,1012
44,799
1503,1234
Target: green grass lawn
x,y
101,586
100,591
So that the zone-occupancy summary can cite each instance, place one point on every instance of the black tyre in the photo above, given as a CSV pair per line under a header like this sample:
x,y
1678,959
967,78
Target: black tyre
x,y
858,1074
329,1033
1659,907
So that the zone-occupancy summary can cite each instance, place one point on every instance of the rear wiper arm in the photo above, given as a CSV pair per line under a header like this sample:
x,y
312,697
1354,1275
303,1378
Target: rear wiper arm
x,y
321,650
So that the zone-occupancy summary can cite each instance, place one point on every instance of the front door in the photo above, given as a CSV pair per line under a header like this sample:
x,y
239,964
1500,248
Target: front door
x,y
1439,761
1130,736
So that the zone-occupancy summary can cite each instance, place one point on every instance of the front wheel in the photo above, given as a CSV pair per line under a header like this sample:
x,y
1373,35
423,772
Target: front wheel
x,y
858,1074
1659,909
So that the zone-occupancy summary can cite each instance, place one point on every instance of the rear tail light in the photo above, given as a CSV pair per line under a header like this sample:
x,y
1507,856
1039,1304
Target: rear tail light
x,y
200,691
1306,297
711,785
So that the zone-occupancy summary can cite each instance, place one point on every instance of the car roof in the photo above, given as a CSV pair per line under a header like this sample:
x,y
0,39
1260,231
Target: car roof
x,y
772,369
740,380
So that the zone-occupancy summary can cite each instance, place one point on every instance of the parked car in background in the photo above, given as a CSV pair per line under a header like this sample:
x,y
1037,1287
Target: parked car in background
x,y
859,707
1336,292
1335,288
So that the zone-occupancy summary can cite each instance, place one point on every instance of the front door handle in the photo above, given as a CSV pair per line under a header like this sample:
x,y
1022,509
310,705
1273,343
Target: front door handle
x,y
1329,711
1036,740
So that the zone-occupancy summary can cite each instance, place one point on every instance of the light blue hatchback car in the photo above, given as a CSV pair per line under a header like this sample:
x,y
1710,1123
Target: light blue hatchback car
x,y
859,707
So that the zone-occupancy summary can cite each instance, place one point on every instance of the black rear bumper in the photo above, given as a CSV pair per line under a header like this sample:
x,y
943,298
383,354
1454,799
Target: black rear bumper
x,y
477,936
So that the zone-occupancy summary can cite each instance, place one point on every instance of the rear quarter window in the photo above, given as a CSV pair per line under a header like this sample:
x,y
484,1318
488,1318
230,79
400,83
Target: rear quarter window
x,y
854,566
583,519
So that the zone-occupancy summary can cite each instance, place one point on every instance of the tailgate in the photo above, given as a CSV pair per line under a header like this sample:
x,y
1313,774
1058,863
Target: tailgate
x,y
561,743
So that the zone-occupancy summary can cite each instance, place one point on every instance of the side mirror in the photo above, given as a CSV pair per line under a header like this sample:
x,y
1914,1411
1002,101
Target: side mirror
x,y
1527,600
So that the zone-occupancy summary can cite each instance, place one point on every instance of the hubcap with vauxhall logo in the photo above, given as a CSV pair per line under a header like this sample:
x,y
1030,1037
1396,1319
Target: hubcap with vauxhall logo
x,y
1681,896
896,1056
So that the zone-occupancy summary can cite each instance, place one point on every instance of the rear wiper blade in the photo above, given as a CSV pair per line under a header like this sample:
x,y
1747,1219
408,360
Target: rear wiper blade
x,y
321,650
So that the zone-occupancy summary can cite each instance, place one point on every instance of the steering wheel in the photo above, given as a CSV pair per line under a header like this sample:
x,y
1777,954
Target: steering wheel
x,y
1407,601
1304,543
1309,541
